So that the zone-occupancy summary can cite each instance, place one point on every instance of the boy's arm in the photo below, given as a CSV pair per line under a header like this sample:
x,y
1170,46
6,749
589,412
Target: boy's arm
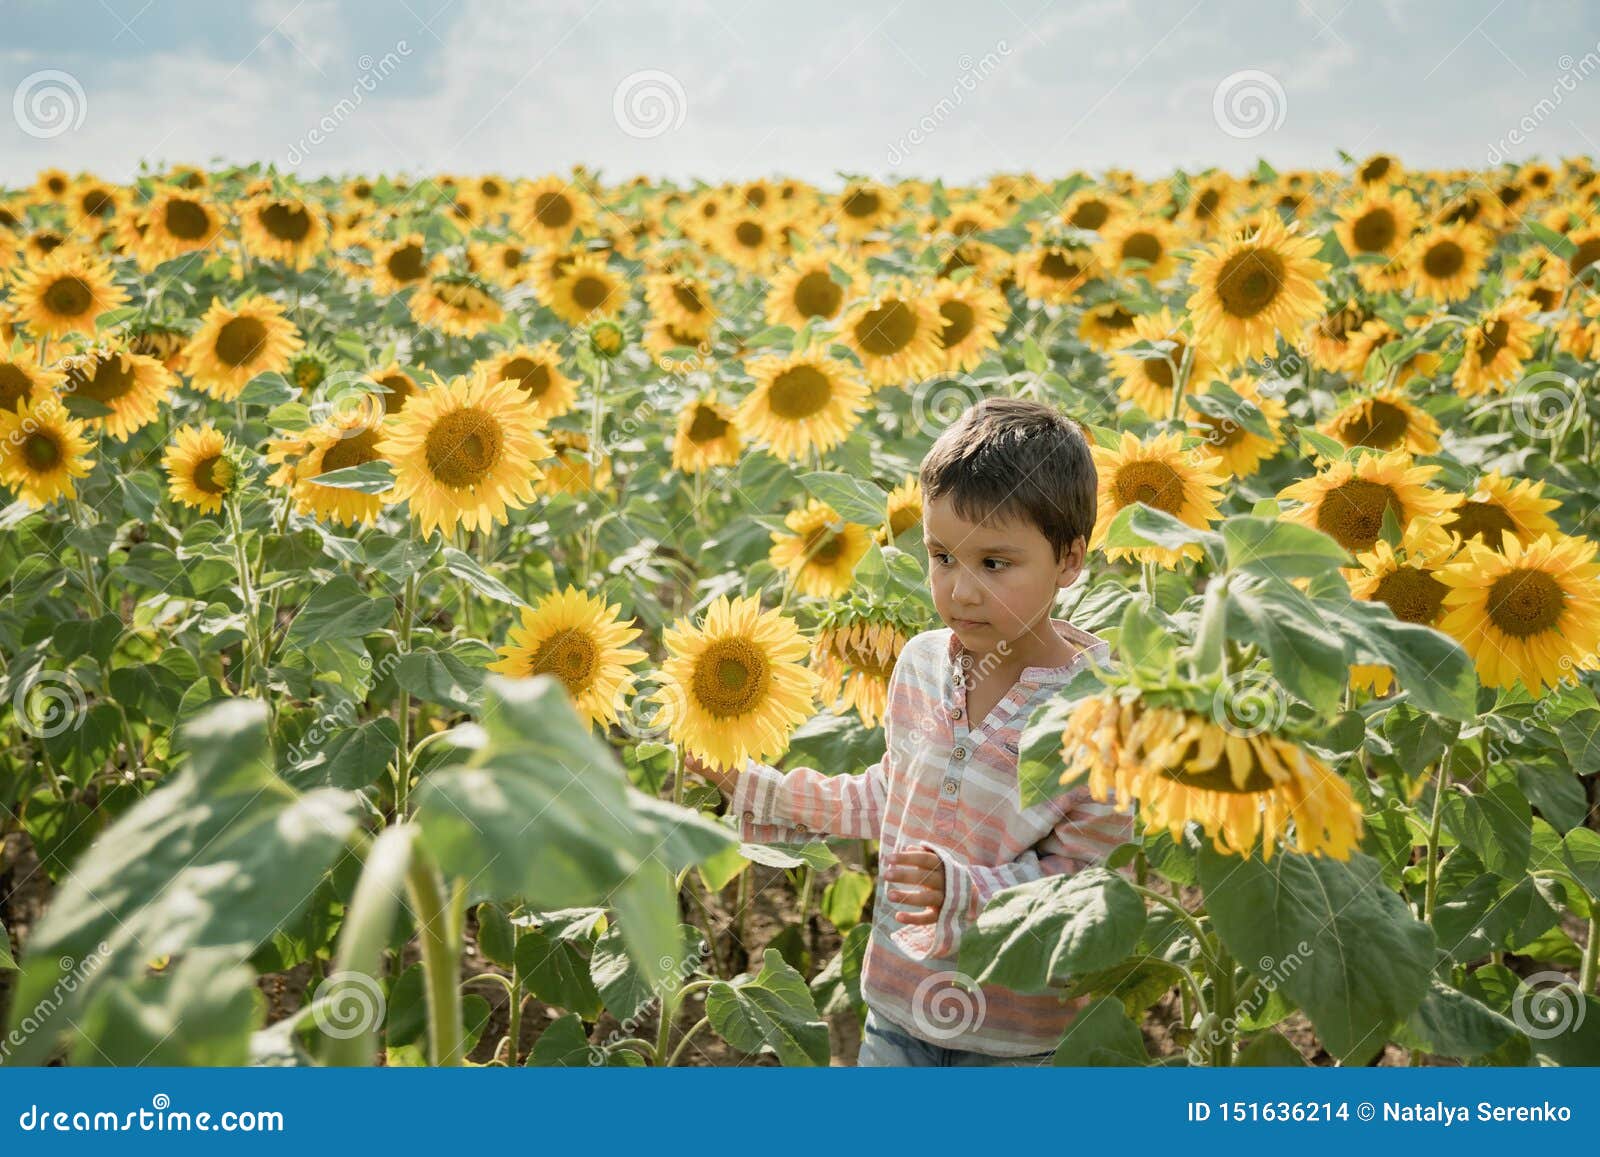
x,y
774,806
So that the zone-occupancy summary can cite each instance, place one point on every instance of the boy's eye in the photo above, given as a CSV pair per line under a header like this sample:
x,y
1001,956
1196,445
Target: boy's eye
x,y
996,563
941,558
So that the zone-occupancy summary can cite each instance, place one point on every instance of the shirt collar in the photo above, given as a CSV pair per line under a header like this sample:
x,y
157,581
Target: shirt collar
x,y
1082,642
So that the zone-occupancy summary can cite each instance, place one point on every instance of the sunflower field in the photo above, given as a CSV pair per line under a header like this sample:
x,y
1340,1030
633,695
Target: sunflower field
x,y
373,554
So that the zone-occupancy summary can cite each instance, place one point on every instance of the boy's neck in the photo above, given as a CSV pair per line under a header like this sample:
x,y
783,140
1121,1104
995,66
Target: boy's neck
x,y
1042,646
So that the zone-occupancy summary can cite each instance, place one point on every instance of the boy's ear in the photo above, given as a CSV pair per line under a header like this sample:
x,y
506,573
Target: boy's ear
x,y
1072,560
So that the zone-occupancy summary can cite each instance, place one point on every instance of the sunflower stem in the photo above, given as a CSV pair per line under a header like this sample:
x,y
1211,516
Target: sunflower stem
x,y
683,1042
1591,949
440,961
1430,887
403,753
1222,985
250,653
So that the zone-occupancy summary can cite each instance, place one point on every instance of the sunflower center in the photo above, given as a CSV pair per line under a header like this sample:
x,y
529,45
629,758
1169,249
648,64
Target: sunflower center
x,y
823,546
103,379
687,298
240,340
14,385
1413,594
97,203
1586,254
1055,266
818,295
1250,281
553,210
1352,514
1158,371
532,376
41,451
286,221
799,392
511,257
463,447
1495,336
731,678
490,187
1374,231
68,297
887,330
406,264
750,234
1222,431
1443,259
185,220
862,203
1525,602
212,475
590,293
358,448
1142,246
1153,483
1375,168
1091,215
1482,520
1220,776
1206,204
1380,425
959,318
707,425
570,655
397,388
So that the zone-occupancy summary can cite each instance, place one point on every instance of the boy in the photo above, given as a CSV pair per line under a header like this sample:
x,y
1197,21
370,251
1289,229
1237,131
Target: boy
x,y
1008,505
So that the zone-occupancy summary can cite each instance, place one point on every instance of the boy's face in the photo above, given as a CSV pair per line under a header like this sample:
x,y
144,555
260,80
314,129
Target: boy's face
x,y
993,582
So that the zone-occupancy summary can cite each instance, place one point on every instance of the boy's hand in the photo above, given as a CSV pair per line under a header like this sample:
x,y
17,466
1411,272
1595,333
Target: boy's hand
x,y
726,779
922,873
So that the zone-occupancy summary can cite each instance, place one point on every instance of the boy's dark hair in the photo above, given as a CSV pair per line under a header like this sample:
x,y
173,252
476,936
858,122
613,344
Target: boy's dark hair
x,y
1011,458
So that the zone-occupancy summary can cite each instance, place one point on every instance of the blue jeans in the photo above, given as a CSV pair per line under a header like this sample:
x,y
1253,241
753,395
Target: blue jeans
x,y
884,1044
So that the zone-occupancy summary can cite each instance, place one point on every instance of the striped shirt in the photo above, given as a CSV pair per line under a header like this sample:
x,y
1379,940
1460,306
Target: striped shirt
x,y
949,788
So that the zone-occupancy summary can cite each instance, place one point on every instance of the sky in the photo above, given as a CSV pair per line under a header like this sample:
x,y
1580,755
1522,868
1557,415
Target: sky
x,y
746,88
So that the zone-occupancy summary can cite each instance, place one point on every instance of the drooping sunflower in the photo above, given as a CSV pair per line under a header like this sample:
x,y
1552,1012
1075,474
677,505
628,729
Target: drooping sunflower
x,y
1446,261
814,285
1148,382
904,510
974,316
1384,420
463,452
580,640
23,380
1160,473
822,551
1347,500
1407,582
347,438
585,290
402,263
1182,765
801,401
1055,273
736,687
199,473
1240,450
177,221
853,656
1140,246
707,435
454,304
42,449
537,372
284,229
235,343
1498,504
1248,291
130,386
1378,223
1495,349
548,210
1531,613
64,293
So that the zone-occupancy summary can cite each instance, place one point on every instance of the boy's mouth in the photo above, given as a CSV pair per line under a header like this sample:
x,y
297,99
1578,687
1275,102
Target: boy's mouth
x,y
967,624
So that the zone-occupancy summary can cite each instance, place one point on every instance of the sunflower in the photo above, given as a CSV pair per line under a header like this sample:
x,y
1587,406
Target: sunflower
x,y
1106,326
235,343
853,657
282,229
585,289
748,240
974,316
1445,262
1140,246
504,262
736,687
862,208
1494,349
665,342
463,451
537,372
1347,500
95,205
1090,209
580,640
1239,450
457,305
199,473
1496,505
682,301
42,449
1148,382
1407,582
1213,202
1374,336
130,387
162,340
402,263
23,380
1380,169
347,438
51,185
1531,613
904,510
64,293
814,285
1162,474
1181,766
1329,336
1248,291
1384,420
1055,273
398,386
707,435
801,402
821,553
1378,223
548,210
572,468
176,222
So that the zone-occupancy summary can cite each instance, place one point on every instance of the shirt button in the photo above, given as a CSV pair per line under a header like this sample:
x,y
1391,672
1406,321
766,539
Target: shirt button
x,y
955,713
801,828
949,787
960,753
749,815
